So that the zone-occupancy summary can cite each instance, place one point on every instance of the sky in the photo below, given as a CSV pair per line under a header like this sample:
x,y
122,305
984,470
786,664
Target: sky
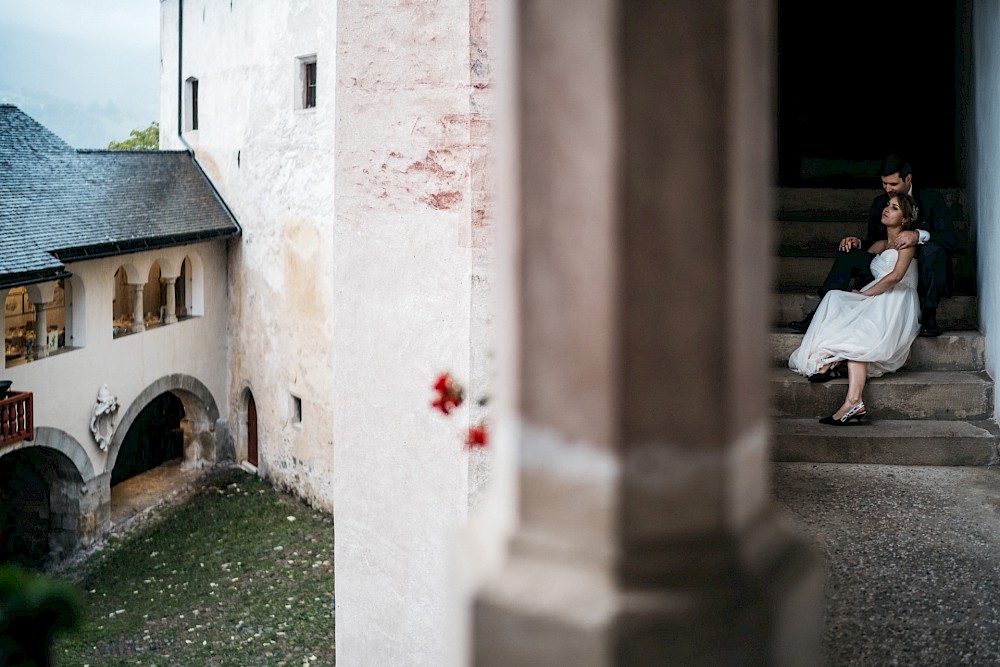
x,y
89,70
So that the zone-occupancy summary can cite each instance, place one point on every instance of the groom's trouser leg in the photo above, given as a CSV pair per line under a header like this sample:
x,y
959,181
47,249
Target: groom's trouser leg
x,y
932,282
846,267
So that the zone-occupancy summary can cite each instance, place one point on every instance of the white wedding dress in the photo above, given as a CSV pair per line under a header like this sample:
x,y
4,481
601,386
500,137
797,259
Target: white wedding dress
x,y
878,329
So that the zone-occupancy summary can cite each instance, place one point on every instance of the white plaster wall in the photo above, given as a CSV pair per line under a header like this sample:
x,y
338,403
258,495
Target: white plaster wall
x,y
65,385
274,166
363,271
403,261
985,181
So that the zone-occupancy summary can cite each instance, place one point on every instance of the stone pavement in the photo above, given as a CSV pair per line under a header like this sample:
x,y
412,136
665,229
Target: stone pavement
x,y
912,558
164,484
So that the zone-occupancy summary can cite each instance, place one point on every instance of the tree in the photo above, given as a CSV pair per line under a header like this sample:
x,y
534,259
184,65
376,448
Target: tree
x,y
140,140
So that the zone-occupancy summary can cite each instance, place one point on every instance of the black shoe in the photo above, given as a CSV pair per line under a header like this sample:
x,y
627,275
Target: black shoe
x,y
836,370
857,412
929,327
801,326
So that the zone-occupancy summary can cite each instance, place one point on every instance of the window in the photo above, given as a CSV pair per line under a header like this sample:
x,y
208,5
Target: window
x,y
32,332
191,121
296,409
123,306
306,78
310,85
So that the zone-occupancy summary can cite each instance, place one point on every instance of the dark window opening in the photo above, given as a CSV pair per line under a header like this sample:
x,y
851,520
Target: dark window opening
x,y
309,75
192,104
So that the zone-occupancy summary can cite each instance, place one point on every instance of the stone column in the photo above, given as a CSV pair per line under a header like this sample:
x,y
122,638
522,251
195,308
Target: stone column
x,y
139,323
41,331
171,299
199,443
645,533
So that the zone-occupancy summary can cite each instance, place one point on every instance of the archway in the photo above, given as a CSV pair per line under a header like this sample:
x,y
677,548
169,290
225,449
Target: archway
x,y
174,419
39,506
153,438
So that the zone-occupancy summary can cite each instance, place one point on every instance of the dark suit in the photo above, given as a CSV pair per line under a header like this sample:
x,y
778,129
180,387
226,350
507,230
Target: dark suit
x,y
932,257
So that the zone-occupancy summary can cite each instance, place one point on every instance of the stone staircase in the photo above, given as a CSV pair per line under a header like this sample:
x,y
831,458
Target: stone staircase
x,y
936,410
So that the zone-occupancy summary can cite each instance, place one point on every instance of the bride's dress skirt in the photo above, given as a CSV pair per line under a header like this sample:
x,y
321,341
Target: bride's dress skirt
x,y
878,329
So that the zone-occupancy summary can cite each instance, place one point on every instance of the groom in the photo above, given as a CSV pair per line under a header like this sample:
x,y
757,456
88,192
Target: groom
x,y
933,236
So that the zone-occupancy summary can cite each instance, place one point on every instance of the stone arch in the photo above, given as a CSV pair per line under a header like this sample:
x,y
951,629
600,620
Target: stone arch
x,y
200,416
74,508
63,442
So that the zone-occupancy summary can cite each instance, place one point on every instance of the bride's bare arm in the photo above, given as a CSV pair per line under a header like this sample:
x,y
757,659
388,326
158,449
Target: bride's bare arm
x,y
890,279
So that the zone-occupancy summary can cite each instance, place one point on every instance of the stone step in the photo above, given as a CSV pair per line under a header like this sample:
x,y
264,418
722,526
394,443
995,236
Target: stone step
x,y
886,441
825,234
808,271
948,395
958,312
848,202
952,351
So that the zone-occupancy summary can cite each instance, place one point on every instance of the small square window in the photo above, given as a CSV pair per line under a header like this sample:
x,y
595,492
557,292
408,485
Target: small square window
x,y
305,97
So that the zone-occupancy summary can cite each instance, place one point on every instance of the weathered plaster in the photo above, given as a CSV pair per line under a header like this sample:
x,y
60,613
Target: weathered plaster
x,y
274,167
363,271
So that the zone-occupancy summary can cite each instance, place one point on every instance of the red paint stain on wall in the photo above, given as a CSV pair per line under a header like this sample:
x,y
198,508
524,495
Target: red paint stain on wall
x,y
432,165
443,200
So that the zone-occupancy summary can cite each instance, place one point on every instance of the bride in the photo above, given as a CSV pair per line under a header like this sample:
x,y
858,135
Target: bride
x,y
869,330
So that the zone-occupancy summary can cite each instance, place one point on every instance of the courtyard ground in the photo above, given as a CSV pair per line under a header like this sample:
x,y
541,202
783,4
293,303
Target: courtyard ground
x,y
912,557
233,573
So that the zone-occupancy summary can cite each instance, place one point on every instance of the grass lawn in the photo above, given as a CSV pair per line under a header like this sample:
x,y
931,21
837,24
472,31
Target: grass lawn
x,y
237,574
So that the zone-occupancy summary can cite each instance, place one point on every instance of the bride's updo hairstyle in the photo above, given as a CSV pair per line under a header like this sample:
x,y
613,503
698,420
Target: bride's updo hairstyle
x,y
908,206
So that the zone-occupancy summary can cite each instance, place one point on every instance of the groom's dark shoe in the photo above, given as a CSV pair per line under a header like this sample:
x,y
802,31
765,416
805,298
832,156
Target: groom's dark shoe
x,y
802,325
929,327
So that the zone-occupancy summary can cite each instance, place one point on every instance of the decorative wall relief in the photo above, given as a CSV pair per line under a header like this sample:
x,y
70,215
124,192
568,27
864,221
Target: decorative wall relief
x,y
102,422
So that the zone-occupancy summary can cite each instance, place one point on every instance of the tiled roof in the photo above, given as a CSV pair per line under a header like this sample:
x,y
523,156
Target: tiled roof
x,y
59,204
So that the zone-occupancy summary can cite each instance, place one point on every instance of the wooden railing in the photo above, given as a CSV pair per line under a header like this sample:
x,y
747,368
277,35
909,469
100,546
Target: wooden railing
x,y
17,420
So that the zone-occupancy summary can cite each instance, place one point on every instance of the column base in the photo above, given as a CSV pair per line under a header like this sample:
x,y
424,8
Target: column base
x,y
760,603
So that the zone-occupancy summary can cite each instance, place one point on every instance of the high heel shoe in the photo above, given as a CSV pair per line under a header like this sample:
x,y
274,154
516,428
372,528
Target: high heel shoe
x,y
836,370
856,412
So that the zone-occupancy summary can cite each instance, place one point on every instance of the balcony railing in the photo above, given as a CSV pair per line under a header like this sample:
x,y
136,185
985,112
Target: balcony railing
x,y
17,421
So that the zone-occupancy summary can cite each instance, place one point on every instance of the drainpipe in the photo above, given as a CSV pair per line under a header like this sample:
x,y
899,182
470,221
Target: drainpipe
x,y
180,76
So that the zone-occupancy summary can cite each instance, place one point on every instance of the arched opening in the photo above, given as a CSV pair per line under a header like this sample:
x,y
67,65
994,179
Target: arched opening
x,y
123,307
21,343
182,290
154,298
251,429
154,438
39,506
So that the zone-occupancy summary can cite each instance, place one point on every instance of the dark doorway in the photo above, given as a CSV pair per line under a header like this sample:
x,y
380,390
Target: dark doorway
x,y
25,515
251,430
858,79
155,437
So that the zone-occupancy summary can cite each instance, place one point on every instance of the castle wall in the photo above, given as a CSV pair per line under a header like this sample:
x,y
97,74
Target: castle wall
x,y
273,164
363,272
